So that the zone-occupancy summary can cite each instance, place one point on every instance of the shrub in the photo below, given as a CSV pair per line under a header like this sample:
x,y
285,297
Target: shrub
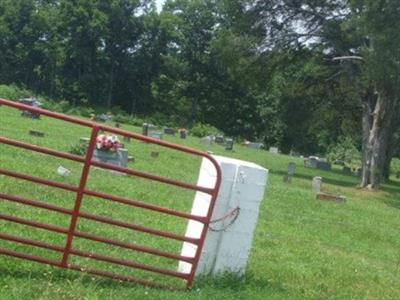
x,y
395,167
12,92
83,111
201,130
61,106
345,150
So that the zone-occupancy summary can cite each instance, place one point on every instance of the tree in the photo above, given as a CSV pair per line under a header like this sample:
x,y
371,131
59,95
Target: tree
x,y
369,29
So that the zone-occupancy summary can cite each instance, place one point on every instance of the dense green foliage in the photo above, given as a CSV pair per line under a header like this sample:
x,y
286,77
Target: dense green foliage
x,y
195,62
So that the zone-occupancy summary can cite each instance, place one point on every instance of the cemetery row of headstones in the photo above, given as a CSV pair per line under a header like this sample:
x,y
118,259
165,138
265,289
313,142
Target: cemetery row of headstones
x,y
317,163
220,140
157,133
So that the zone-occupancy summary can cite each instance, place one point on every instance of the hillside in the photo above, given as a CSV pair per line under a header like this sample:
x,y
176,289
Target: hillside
x,y
303,249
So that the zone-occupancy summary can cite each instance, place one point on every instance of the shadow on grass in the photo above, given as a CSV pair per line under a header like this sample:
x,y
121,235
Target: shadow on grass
x,y
235,282
61,276
226,281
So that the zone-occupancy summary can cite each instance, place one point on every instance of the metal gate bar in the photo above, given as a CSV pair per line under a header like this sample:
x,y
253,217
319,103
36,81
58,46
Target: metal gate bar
x,y
76,213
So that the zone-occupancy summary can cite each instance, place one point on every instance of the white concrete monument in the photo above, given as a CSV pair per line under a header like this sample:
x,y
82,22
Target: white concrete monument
x,y
317,184
229,239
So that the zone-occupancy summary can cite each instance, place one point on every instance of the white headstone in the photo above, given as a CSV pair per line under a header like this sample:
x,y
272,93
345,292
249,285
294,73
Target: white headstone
x,y
228,243
317,184
274,150
207,140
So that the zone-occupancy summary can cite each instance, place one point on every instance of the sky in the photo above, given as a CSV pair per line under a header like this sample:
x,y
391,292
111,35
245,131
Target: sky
x,y
159,4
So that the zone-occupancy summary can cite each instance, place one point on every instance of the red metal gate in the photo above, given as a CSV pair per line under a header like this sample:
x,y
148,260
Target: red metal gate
x,y
76,213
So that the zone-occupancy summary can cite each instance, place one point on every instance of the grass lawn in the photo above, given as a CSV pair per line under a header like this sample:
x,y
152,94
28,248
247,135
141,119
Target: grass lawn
x,y
303,248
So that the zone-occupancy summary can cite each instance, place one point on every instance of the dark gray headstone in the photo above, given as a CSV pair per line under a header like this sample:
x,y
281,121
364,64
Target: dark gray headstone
x,y
346,170
219,139
145,129
324,165
311,162
36,133
31,102
170,131
229,144
118,158
291,169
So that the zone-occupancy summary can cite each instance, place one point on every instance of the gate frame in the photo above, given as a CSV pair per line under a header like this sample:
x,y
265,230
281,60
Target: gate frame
x,y
81,190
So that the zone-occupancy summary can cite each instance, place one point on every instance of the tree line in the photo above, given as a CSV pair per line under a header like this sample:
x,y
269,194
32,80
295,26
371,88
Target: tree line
x,y
301,75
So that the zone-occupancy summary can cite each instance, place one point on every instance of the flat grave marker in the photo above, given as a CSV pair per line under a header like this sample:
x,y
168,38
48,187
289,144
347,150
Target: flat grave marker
x,y
36,133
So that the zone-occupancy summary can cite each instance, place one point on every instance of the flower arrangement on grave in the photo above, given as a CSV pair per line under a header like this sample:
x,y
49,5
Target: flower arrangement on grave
x,y
108,143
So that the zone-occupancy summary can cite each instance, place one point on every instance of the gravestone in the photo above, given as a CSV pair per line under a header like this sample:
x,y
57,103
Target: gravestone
x,y
324,165
331,197
36,133
229,144
170,131
103,118
219,139
145,129
291,169
118,158
156,135
207,140
148,128
63,171
311,162
291,172
294,153
229,239
255,145
346,170
123,157
182,134
274,150
317,184
31,102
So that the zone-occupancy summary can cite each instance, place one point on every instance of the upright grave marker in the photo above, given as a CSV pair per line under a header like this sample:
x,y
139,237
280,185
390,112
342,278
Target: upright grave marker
x,y
317,184
291,172
229,239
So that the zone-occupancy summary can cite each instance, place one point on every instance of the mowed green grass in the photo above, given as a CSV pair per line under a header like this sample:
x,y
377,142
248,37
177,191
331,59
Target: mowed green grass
x,y
303,248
